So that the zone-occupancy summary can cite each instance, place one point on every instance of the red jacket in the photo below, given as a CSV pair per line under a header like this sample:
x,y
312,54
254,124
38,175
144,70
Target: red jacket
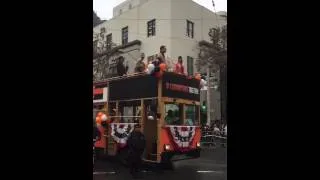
x,y
179,69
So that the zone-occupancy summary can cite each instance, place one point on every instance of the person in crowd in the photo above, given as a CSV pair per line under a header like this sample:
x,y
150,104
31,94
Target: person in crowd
x,y
140,65
136,146
179,66
216,130
121,68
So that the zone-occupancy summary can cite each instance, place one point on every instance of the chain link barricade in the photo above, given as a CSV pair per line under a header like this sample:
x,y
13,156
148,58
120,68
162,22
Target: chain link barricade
x,y
213,139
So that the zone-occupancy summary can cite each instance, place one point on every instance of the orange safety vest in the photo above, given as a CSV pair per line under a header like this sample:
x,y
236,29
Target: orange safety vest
x,y
102,142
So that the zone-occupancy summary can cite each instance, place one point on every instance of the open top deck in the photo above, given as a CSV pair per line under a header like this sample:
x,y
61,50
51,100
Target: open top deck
x,y
147,86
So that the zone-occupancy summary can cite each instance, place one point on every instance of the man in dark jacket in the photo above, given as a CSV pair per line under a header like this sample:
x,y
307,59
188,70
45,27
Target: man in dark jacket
x,y
96,137
136,145
96,133
121,69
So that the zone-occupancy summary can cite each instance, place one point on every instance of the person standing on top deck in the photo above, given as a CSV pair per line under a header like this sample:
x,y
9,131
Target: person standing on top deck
x,y
161,56
140,66
179,66
121,69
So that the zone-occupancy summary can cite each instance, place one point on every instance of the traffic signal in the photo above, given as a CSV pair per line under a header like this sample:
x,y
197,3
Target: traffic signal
x,y
204,106
203,114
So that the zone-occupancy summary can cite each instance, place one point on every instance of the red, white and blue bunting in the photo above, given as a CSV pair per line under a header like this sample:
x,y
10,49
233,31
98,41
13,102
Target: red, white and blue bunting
x,y
182,136
121,131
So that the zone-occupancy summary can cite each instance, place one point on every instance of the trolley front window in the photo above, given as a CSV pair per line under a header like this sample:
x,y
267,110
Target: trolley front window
x,y
181,114
173,114
191,114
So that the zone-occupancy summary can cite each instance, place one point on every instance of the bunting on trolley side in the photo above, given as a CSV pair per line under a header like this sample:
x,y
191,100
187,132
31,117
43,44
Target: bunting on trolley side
x,y
120,132
182,136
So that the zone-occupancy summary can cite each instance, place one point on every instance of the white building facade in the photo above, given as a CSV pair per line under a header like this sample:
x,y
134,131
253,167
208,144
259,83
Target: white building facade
x,y
177,24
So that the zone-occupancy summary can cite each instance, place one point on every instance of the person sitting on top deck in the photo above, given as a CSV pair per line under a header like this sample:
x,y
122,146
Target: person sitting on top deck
x,y
140,66
157,61
121,69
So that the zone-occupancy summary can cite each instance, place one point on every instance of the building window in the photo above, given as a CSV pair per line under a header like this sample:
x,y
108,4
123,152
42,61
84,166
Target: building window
x,y
151,28
130,6
190,29
109,41
120,11
125,35
190,65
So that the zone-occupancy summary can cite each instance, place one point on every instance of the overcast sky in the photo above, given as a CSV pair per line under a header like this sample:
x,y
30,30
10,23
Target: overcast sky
x,y
104,8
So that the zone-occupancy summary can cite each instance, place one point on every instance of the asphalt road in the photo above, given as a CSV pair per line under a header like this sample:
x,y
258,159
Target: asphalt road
x,y
211,165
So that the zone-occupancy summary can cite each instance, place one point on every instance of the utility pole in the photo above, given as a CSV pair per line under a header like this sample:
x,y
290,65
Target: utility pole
x,y
208,97
209,84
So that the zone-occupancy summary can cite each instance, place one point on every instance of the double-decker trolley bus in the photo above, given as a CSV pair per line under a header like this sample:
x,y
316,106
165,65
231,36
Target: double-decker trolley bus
x,y
166,107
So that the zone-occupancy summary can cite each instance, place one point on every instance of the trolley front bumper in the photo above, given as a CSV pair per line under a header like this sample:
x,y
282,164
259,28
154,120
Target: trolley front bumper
x,y
178,156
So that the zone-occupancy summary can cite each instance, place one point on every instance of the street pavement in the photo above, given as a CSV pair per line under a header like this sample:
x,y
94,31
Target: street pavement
x,y
211,165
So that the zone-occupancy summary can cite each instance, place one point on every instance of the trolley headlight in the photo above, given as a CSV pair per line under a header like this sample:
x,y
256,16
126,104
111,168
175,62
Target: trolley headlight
x,y
167,147
198,144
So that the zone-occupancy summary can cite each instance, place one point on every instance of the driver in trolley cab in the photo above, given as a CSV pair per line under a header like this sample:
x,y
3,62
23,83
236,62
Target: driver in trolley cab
x,y
170,119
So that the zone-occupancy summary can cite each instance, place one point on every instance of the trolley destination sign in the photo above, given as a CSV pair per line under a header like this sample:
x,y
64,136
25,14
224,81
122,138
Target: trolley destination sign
x,y
182,88
146,86
179,86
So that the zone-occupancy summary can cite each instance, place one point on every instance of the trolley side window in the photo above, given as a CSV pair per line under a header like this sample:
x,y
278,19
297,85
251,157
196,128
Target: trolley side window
x,y
112,108
151,109
191,114
130,112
